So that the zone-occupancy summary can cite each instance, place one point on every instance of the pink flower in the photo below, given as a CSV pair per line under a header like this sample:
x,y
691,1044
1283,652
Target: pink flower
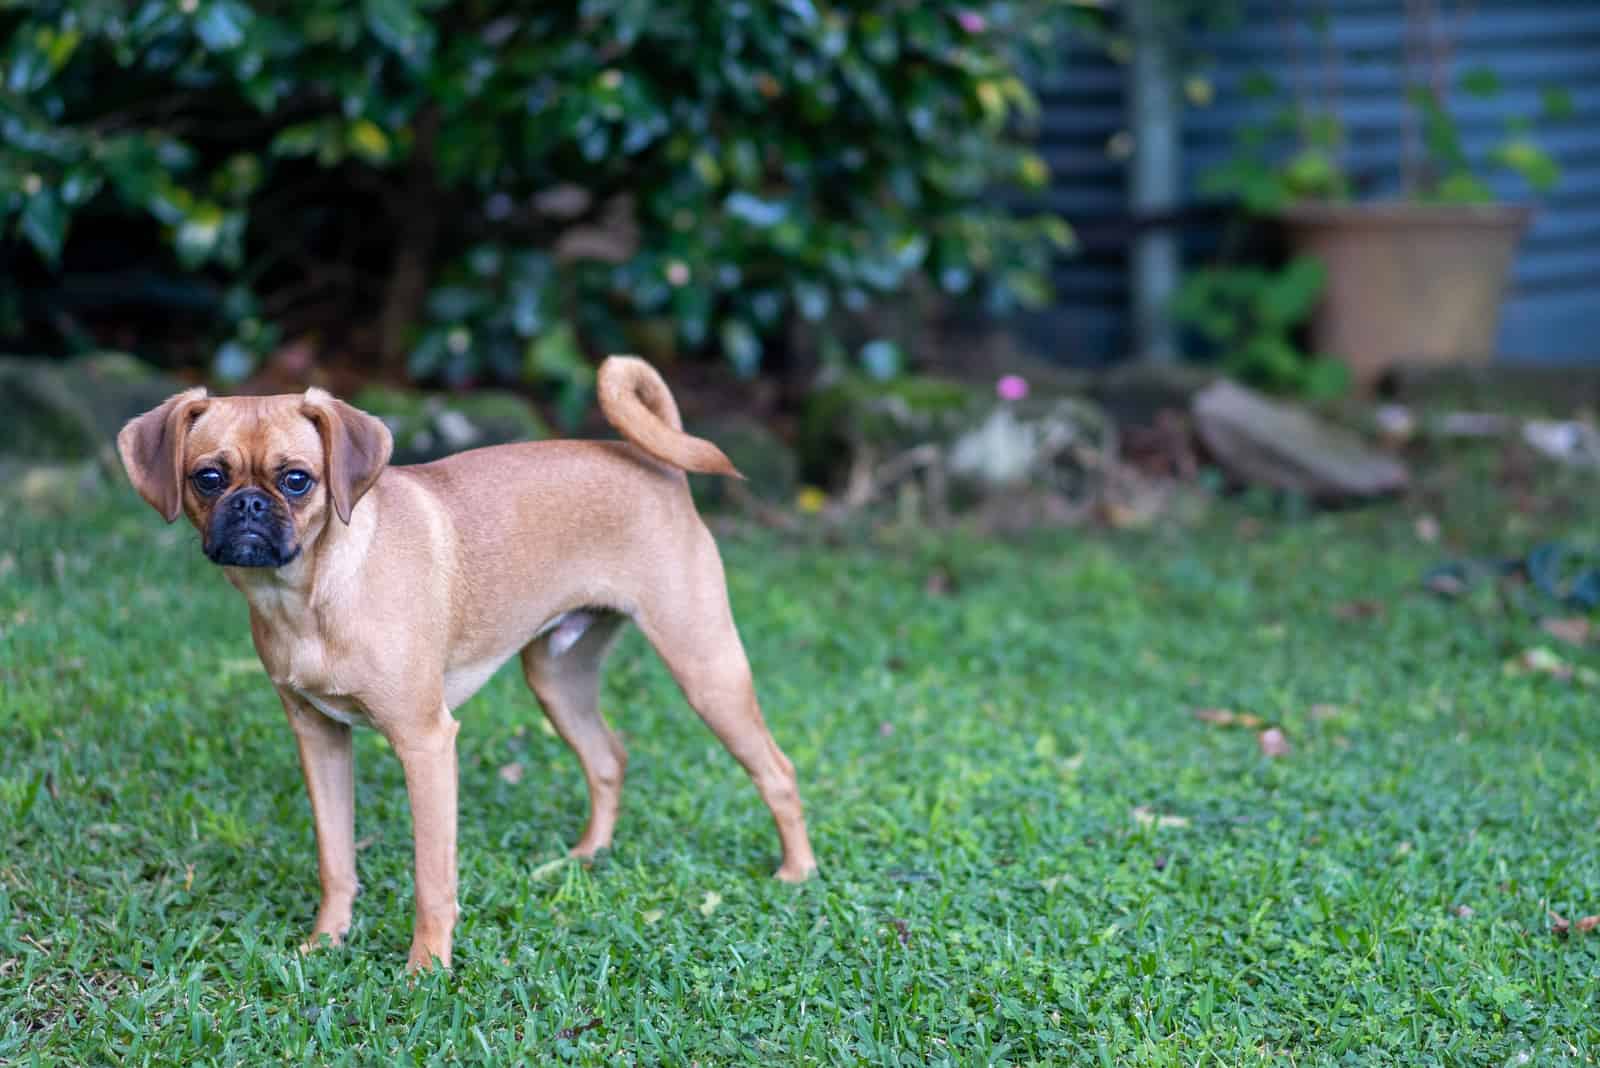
x,y
972,21
1011,387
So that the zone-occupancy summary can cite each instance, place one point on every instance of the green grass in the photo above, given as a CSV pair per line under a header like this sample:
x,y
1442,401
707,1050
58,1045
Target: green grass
x,y
971,763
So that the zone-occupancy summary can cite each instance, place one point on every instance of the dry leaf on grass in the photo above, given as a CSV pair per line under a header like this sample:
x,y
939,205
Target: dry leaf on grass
x,y
1325,711
1360,609
1227,717
1145,817
651,916
710,903
512,772
1464,911
1541,661
1273,742
1574,631
570,1033
1560,925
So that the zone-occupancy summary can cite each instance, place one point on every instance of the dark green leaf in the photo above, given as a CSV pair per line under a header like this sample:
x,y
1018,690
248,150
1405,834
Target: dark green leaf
x,y
882,359
756,211
1440,133
1260,85
555,355
367,140
1480,81
691,304
221,24
1289,298
741,346
198,234
811,300
78,186
44,223
429,355
455,303
400,27
1529,161
1463,187
300,140
526,309
1325,379
1556,103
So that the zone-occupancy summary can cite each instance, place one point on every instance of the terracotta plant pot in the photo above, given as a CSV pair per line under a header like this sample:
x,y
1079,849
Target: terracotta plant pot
x,y
1408,284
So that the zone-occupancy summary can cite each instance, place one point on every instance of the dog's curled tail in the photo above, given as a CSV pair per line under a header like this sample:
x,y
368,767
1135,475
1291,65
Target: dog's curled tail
x,y
636,401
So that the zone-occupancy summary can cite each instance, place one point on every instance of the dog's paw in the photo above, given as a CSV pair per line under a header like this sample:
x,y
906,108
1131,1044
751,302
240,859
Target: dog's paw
x,y
794,873
426,960
322,940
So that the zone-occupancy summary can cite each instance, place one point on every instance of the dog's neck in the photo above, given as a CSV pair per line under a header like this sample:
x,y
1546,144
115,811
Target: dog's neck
x,y
293,588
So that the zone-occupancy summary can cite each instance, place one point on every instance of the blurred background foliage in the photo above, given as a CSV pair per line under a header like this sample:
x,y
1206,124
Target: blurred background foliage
x,y
450,191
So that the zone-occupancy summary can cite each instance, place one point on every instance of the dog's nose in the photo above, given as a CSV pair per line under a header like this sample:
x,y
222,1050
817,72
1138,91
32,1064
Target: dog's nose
x,y
252,503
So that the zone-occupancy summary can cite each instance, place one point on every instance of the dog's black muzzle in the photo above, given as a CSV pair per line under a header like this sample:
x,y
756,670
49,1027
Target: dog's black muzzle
x,y
249,529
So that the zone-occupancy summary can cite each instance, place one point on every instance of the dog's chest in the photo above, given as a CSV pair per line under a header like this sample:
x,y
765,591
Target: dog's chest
x,y
308,678
299,663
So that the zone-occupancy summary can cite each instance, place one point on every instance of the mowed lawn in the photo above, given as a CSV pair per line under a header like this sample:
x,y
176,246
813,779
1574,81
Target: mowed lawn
x,y
1032,851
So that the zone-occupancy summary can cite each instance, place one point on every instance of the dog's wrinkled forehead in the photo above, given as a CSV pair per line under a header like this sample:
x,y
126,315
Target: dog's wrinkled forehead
x,y
261,432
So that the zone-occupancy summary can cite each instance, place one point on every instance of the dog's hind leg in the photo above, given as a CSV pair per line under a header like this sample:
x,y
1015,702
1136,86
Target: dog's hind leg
x,y
564,673
691,626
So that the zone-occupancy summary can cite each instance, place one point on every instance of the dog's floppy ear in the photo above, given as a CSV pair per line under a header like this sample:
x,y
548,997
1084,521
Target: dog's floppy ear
x,y
151,447
355,448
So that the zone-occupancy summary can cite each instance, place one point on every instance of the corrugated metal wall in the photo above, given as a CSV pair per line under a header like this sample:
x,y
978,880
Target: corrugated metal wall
x,y
1553,313
1082,110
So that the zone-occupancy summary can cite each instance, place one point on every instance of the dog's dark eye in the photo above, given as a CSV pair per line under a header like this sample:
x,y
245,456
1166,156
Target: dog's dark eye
x,y
295,483
209,482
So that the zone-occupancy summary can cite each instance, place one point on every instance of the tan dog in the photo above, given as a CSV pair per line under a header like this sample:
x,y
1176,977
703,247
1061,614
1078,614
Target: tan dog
x,y
387,596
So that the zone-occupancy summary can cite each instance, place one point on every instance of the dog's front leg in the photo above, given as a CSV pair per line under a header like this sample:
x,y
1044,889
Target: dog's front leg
x,y
428,753
327,759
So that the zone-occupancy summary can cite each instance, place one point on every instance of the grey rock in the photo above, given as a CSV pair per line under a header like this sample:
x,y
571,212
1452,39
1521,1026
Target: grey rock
x,y
1282,446
65,410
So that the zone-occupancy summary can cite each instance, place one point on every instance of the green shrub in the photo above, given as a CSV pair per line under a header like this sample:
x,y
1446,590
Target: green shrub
x,y
523,187
1251,314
